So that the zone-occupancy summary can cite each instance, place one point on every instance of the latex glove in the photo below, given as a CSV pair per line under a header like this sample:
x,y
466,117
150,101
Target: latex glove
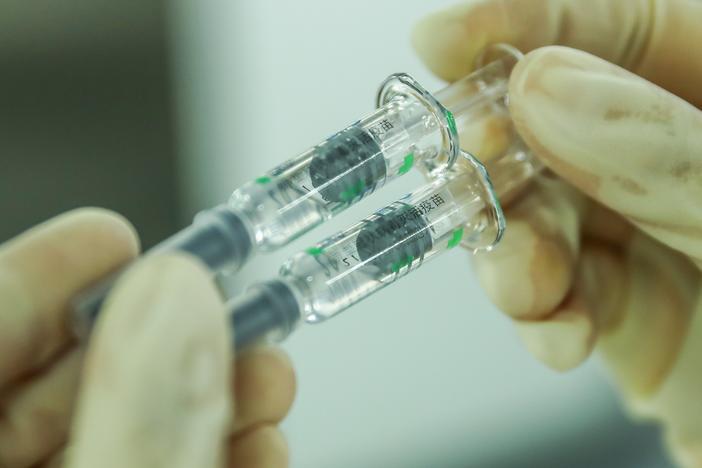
x,y
158,384
616,267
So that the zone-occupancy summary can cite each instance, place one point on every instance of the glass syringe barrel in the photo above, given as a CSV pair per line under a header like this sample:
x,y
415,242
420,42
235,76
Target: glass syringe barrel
x,y
345,268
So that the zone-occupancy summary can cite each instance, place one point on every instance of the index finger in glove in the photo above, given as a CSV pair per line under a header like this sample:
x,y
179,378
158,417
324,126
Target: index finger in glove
x,y
654,38
531,270
622,140
156,391
41,270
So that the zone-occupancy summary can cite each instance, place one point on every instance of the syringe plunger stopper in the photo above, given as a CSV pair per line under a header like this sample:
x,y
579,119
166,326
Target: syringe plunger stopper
x,y
266,308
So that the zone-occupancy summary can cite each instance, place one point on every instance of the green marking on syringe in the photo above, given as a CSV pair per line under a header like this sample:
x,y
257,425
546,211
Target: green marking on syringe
x,y
314,251
407,164
263,180
455,238
352,192
395,267
451,122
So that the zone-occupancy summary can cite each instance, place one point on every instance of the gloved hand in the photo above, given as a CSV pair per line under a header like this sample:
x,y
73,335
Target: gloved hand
x,y
615,263
159,387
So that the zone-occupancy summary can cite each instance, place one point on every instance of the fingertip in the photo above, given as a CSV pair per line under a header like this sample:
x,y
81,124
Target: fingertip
x,y
564,340
264,447
530,72
109,229
503,272
531,76
160,354
576,112
265,386
43,269
528,274
176,274
163,302
180,270
159,305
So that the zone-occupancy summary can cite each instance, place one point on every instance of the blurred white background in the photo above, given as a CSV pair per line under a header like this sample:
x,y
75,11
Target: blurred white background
x,y
427,373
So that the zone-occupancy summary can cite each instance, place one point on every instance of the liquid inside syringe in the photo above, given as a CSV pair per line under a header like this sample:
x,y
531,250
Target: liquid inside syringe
x,y
386,245
325,180
410,128
333,275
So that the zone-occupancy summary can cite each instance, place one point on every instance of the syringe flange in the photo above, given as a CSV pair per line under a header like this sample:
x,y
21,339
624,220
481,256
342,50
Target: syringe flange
x,y
403,84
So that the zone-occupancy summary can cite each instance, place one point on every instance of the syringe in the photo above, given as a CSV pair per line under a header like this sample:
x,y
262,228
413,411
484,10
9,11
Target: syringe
x,y
411,127
458,208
